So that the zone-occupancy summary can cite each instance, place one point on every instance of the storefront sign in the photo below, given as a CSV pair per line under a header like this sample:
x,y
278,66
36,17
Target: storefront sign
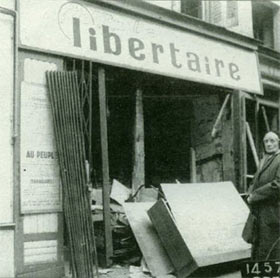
x,y
111,37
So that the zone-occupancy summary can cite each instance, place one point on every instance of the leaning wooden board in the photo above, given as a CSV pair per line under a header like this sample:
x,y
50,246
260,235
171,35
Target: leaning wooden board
x,y
203,221
147,238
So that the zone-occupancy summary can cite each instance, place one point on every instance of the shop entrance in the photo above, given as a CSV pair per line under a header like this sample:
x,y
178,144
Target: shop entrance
x,y
166,111
154,124
157,130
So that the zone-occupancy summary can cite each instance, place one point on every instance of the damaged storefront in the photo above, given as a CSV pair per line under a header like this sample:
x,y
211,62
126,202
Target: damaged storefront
x,y
164,100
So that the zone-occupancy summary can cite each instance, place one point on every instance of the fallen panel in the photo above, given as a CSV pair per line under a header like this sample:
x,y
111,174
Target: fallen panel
x,y
119,193
147,238
206,220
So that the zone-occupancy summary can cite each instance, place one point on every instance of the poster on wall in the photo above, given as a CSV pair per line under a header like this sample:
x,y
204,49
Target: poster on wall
x,y
40,180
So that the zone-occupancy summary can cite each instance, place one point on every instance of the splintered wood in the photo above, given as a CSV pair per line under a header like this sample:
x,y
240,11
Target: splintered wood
x,y
201,224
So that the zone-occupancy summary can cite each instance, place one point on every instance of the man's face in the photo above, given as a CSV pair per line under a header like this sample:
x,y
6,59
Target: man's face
x,y
271,142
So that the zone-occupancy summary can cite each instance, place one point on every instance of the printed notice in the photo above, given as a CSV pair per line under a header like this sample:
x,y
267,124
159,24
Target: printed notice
x,y
40,180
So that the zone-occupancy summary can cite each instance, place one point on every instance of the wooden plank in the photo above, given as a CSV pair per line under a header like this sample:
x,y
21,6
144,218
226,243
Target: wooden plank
x,y
265,119
138,175
252,144
210,218
193,165
147,238
227,143
172,239
268,102
220,115
278,113
239,139
105,167
257,125
243,145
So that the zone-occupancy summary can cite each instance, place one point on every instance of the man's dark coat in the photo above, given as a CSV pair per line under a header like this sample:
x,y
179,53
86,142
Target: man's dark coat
x,y
265,205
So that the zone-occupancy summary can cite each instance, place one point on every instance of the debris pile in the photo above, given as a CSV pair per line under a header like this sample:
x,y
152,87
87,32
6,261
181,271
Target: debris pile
x,y
125,247
179,234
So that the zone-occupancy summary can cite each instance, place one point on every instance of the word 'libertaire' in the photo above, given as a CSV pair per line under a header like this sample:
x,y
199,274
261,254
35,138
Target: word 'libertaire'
x,y
113,44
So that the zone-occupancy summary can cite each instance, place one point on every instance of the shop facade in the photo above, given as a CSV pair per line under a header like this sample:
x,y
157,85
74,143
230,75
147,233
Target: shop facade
x,y
167,100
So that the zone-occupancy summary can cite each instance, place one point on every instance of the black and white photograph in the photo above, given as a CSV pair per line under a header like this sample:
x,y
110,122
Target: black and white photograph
x,y
140,139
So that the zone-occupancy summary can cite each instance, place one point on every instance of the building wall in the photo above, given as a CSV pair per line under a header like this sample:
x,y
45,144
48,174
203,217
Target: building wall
x,y
6,145
233,15
7,4
244,24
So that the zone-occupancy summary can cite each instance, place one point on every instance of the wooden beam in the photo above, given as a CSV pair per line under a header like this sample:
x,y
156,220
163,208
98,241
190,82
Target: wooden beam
x,y
278,110
138,175
105,167
239,140
265,119
220,115
257,125
227,143
192,165
268,103
252,144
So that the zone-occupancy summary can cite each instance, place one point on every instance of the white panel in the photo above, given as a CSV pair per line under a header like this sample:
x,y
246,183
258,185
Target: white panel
x,y
7,254
6,123
40,181
40,223
8,4
35,71
40,251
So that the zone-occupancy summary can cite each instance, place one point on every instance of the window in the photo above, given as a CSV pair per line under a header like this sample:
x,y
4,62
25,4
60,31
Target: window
x,y
263,17
192,8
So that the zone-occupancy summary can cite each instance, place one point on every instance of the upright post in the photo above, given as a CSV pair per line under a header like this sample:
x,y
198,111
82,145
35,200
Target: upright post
x,y
239,140
193,165
138,176
105,167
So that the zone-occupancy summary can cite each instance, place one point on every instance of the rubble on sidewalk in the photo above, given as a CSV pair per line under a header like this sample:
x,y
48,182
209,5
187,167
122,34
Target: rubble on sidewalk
x,y
125,248
170,237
